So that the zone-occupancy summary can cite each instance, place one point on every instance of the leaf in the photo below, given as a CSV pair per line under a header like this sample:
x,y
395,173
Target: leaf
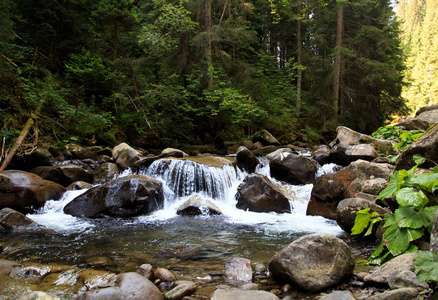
x,y
392,186
427,181
397,239
409,217
408,196
372,222
426,266
361,221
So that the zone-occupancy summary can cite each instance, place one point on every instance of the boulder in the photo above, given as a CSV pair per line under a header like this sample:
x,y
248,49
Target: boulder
x,y
130,286
329,189
14,221
404,279
347,208
125,156
361,151
313,262
347,137
293,168
105,172
79,185
398,294
22,190
237,294
195,206
164,275
410,123
123,197
321,154
146,270
39,157
171,152
429,116
338,295
426,145
404,262
258,193
63,174
76,151
238,269
246,160
36,295
265,138
183,288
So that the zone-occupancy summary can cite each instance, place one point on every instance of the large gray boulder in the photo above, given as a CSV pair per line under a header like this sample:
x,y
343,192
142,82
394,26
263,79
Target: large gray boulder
x,y
258,193
313,262
125,156
426,146
264,137
404,262
293,168
123,197
105,172
23,191
63,174
238,269
129,286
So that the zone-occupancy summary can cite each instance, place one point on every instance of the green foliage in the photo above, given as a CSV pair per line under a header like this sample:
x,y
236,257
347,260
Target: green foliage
x,y
365,219
411,220
426,266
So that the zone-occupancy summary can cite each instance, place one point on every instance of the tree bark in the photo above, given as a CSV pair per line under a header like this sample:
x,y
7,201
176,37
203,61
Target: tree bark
x,y
17,144
337,63
208,43
299,57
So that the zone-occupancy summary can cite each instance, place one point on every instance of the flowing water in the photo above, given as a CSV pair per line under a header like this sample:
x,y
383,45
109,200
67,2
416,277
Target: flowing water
x,y
163,237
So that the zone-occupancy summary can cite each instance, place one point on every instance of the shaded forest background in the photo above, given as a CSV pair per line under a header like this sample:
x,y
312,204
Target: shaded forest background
x,y
161,73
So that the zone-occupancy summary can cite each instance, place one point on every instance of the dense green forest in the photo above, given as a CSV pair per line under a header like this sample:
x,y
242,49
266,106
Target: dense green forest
x,y
419,36
160,73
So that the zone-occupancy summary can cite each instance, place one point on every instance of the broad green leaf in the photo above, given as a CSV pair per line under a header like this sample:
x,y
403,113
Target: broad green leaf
x,y
397,239
361,221
392,186
409,217
408,196
379,256
390,220
372,222
426,266
427,181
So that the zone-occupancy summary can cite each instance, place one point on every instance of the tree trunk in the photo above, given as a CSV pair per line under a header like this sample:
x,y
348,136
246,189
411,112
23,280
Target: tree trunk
x,y
299,57
208,43
17,144
337,64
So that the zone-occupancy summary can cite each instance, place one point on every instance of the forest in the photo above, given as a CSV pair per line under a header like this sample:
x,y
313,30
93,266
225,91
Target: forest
x,y
161,73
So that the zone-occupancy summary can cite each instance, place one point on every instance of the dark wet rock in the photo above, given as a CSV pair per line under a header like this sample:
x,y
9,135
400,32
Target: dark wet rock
x,y
246,159
237,294
14,221
265,138
128,286
405,279
238,269
361,151
105,172
195,206
426,145
22,190
347,137
164,275
338,295
398,294
404,262
347,208
63,174
183,288
313,262
76,151
329,189
79,185
39,157
293,168
257,193
321,154
146,270
127,196
125,156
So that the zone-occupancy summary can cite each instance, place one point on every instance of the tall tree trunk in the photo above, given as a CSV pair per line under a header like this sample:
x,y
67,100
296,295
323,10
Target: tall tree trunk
x,y
337,65
299,57
208,44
